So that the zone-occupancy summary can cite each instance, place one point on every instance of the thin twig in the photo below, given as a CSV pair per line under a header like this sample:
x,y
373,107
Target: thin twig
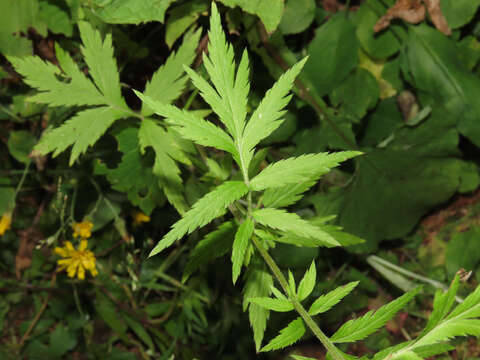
x,y
38,315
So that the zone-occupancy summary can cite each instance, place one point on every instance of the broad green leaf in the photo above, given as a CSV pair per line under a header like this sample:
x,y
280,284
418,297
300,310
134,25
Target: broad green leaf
x,y
213,245
298,357
240,244
268,115
101,63
279,305
132,176
81,131
258,283
55,18
436,69
202,212
291,222
459,12
15,18
307,283
333,54
299,169
354,103
269,11
289,335
378,203
360,328
61,341
382,123
297,16
132,12
286,195
378,45
462,251
153,135
20,144
191,126
330,299
181,18
168,81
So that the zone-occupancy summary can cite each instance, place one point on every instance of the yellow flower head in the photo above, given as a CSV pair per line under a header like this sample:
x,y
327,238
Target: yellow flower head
x,y
76,261
139,217
82,229
5,223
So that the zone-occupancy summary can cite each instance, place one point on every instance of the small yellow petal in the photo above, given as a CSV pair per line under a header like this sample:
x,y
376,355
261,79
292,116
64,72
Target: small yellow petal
x,y
81,273
60,251
76,261
83,245
82,229
5,223
139,217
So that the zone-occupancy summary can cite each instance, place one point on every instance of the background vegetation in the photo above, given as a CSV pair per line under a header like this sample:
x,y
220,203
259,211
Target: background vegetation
x,y
85,163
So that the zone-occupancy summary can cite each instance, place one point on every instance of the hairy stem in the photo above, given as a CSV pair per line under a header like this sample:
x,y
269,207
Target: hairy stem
x,y
331,348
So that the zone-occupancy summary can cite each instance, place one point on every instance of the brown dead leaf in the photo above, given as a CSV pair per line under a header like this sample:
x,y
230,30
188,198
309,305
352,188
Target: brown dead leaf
x,y
23,259
28,238
436,15
413,11
331,5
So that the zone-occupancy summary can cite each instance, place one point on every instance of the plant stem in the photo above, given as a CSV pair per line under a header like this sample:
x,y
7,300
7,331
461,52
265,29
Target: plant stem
x,y
22,179
331,348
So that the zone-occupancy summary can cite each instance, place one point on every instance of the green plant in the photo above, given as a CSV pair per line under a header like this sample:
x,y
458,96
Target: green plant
x,y
258,218
123,156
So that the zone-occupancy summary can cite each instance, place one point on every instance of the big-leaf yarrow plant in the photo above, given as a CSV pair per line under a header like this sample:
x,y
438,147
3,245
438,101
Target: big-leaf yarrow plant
x,y
256,199
259,219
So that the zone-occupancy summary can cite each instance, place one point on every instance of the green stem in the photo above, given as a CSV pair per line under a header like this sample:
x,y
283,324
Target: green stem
x,y
331,348
77,299
22,179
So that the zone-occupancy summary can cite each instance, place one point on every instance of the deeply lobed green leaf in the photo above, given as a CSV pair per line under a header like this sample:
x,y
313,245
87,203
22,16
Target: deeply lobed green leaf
x,y
202,212
299,169
240,244
290,222
289,335
358,329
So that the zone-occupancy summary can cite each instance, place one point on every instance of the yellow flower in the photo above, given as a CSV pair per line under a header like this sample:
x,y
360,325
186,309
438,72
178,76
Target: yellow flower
x,y
76,261
139,217
5,223
82,229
